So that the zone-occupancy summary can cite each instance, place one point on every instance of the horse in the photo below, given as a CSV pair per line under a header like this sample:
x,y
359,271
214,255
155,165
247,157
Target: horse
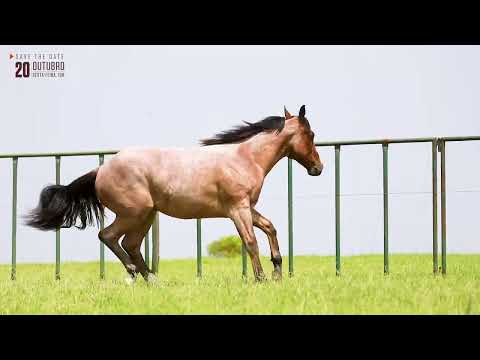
x,y
222,178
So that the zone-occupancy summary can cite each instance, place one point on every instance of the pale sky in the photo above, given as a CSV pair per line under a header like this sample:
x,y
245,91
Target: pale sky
x,y
118,96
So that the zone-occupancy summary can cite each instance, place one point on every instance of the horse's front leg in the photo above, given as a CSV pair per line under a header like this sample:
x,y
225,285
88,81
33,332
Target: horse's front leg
x,y
267,227
242,218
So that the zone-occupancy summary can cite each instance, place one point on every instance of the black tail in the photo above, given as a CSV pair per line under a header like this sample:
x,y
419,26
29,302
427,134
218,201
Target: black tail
x,y
61,205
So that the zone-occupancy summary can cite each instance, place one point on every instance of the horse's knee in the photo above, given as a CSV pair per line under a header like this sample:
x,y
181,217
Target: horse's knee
x,y
271,229
251,246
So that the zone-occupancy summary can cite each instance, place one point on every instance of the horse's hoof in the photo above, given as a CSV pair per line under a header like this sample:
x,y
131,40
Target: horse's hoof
x,y
276,276
130,280
152,279
261,279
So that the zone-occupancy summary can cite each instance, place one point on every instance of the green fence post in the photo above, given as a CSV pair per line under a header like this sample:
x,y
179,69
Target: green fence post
x,y
290,218
147,249
14,219
244,260
199,247
102,226
57,232
434,208
444,207
385,208
155,244
337,209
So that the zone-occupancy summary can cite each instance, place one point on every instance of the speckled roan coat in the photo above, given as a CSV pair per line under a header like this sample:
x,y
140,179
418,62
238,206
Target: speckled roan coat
x,y
221,180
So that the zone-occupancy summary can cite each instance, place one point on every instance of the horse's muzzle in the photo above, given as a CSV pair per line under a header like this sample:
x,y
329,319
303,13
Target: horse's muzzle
x,y
315,170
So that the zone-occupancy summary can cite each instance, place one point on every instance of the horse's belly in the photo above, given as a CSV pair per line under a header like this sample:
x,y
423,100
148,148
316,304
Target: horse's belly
x,y
185,207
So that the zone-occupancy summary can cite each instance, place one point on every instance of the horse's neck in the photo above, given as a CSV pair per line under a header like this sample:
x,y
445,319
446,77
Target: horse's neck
x,y
267,149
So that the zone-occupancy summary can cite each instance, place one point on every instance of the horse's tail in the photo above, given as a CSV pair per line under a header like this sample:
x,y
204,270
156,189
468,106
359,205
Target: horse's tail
x,y
61,205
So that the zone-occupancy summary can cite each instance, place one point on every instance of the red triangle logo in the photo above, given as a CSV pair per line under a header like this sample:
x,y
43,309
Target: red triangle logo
x,y
11,56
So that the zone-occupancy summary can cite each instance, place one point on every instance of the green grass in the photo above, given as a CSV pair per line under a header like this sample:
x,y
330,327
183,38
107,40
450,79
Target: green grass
x,y
361,289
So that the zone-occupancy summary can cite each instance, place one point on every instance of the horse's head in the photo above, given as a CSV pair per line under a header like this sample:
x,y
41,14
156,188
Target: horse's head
x,y
301,146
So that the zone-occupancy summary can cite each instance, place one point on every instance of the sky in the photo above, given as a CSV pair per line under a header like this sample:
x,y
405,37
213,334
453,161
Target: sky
x,y
119,96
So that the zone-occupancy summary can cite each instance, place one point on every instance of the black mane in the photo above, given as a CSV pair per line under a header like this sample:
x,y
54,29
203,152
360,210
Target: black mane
x,y
243,132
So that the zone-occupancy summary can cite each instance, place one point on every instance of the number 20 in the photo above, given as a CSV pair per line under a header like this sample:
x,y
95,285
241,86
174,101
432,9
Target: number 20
x,y
22,69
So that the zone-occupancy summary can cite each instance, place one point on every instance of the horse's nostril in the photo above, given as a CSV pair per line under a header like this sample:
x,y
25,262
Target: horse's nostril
x,y
315,171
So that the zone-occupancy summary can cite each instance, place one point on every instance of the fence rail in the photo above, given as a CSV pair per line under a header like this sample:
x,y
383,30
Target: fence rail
x,y
438,146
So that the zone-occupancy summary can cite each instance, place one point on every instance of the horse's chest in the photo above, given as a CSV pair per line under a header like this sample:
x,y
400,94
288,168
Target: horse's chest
x,y
244,183
246,188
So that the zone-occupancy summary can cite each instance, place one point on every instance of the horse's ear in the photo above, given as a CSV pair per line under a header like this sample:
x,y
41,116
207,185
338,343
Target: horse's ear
x,y
301,114
287,114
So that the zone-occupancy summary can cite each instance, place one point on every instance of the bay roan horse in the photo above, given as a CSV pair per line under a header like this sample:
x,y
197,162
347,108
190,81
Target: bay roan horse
x,y
222,179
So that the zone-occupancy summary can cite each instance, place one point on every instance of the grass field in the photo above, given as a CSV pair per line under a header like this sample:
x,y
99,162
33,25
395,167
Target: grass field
x,y
362,289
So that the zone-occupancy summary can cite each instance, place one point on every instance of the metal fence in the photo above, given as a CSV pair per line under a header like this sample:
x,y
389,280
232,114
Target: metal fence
x,y
438,146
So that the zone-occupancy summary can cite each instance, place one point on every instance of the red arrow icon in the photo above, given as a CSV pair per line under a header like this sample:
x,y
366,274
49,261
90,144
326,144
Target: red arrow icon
x,y
11,56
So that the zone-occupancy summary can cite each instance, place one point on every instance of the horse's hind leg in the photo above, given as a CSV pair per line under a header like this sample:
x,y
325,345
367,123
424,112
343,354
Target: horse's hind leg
x,y
110,236
132,243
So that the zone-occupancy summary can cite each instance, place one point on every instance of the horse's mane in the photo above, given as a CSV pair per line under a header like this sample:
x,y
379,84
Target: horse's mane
x,y
244,132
